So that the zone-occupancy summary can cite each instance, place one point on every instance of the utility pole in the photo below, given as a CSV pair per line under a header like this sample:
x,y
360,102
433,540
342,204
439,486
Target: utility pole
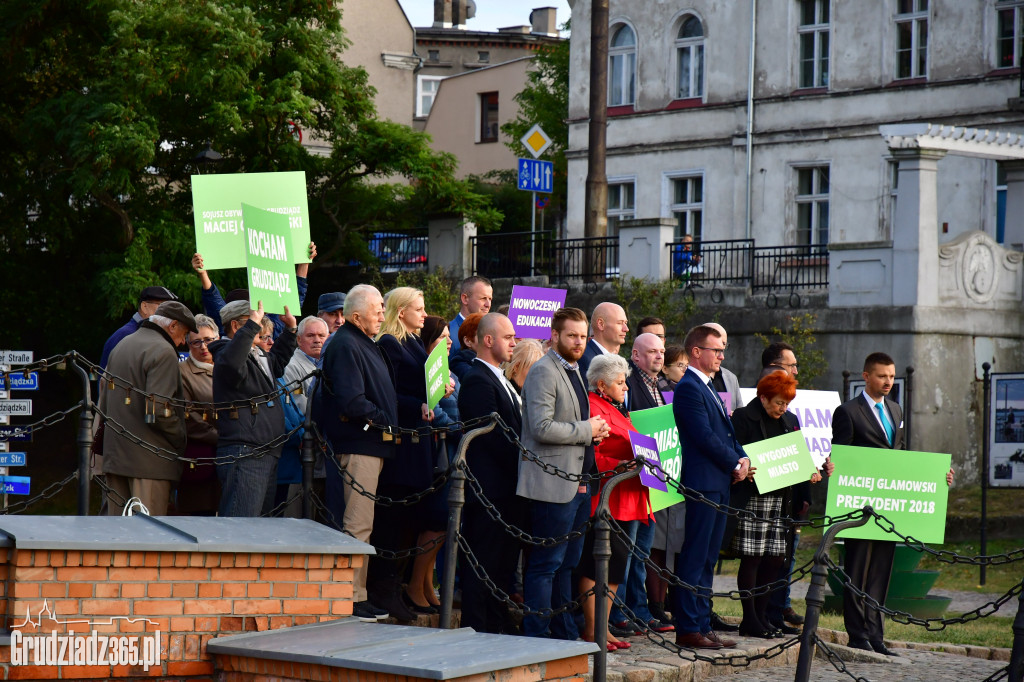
x,y
596,216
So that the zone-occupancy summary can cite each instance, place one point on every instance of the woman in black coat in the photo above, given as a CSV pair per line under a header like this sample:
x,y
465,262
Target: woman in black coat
x,y
397,527
761,546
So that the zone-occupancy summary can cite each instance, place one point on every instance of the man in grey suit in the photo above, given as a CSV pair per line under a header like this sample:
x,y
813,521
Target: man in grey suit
x,y
870,420
558,429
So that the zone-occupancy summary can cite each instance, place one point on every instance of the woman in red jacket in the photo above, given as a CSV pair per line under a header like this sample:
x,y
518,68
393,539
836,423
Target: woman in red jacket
x,y
629,503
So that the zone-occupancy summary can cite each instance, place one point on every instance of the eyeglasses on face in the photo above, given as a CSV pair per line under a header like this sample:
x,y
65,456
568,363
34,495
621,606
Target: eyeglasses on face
x,y
719,352
199,343
266,337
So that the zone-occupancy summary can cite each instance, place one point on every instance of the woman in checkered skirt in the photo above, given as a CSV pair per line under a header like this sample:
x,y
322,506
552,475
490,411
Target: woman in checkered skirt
x,y
760,545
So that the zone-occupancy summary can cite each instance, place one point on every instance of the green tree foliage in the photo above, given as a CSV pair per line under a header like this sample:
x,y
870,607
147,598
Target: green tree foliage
x,y
801,333
106,104
545,101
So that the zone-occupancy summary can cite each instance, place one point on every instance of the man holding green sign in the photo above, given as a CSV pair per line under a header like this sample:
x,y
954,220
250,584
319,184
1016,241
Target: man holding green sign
x,y
872,420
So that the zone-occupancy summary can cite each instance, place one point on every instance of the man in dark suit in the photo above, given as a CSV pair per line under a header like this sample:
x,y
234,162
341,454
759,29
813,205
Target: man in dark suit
x,y
494,461
712,461
870,420
609,326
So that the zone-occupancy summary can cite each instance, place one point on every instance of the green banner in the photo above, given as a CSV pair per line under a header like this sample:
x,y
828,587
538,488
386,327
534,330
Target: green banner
x,y
908,488
437,374
660,424
220,235
780,461
268,261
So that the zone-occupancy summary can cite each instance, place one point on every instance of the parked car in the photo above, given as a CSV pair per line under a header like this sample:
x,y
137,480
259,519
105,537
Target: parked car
x,y
409,254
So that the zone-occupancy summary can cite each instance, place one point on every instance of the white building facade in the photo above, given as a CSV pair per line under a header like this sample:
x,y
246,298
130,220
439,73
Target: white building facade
x,y
791,152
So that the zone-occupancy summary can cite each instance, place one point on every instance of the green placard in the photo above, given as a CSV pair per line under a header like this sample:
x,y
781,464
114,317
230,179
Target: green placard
x,y
780,461
437,374
660,424
908,488
220,236
269,261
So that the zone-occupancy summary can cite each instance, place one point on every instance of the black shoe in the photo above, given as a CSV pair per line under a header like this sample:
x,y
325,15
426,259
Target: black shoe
x,y
879,648
864,646
657,610
395,607
367,612
791,616
624,628
427,610
783,628
756,631
719,625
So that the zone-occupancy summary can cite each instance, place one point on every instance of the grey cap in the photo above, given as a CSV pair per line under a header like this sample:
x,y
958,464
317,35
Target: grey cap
x,y
176,310
328,303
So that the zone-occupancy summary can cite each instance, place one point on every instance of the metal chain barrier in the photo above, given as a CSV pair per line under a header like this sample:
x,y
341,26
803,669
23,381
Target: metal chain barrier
x,y
385,554
50,491
49,420
835,660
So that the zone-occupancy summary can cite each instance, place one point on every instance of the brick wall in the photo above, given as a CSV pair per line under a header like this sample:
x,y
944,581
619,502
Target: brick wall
x,y
189,596
244,669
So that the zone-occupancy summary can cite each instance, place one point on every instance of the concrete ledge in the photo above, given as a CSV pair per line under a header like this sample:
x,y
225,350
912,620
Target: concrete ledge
x,y
399,650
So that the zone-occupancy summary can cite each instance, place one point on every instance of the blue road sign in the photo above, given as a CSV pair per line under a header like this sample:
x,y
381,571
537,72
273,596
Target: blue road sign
x,y
535,175
15,485
15,433
19,382
13,459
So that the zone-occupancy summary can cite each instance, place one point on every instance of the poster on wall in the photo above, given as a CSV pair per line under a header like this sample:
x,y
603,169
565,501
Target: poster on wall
x,y
1006,431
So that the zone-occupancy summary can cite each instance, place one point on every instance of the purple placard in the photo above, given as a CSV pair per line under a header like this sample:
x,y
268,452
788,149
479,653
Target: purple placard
x,y
726,397
668,395
532,308
645,448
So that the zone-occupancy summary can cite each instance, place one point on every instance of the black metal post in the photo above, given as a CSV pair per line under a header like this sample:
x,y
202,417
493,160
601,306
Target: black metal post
x,y
846,386
908,410
84,439
986,383
308,454
1016,667
456,501
602,555
816,594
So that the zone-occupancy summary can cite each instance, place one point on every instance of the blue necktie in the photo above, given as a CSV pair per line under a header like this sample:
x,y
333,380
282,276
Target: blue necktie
x,y
885,421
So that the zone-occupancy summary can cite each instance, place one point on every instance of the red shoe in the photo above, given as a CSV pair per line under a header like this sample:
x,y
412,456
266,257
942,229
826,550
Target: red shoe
x,y
622,645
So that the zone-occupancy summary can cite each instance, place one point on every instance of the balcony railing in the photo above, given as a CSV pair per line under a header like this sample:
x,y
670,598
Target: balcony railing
x,y
523,254
592,259
788,269
720,263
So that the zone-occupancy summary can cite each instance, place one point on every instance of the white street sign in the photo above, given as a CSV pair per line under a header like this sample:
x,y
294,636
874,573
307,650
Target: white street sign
x,y
15,357
16,408
536,141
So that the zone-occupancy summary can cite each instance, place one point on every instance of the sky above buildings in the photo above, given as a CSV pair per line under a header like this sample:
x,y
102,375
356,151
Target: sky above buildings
x,y
490,14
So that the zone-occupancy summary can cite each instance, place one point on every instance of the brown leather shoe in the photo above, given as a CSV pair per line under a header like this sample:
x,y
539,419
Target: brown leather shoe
x,y
714,637
695,640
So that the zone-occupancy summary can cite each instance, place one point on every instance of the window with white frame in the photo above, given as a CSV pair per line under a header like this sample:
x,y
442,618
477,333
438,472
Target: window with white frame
x,y
690,58
622,67
621,204
912,39
812,204
1009,15
814,31
426,91
687,205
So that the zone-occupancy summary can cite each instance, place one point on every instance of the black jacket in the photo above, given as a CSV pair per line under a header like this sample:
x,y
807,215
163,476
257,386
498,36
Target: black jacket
x,y
413,465
238,377
638,397
461,362
492,458
358,386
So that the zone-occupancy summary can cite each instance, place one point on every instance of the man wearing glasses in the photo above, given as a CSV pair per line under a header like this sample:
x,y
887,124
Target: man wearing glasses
x,y
712,461
780,354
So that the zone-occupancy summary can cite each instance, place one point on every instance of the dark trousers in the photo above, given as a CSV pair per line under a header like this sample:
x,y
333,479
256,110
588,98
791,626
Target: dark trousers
x,y
868,564
497,553
695,564
248,483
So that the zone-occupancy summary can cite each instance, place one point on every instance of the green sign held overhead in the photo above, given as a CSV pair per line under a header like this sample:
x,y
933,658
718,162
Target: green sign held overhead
x,y
908,488
660,424
437,374
216,201
780,461
269,263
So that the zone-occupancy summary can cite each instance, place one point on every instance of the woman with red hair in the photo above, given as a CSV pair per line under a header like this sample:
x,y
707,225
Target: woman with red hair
x,y
760,545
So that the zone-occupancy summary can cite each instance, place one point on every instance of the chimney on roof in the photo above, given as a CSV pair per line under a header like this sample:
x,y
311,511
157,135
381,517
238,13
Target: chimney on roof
x,y
453,13
545,21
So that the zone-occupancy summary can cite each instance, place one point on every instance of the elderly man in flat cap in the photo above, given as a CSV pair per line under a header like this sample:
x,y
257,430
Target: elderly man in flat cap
x,y
145,404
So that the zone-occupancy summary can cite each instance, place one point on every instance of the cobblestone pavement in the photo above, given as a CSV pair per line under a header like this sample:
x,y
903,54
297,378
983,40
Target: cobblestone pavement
x,y
911,666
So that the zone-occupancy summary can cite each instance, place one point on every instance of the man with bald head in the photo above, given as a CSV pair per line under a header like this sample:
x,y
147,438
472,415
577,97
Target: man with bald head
x,y
494,461
724,380
609,326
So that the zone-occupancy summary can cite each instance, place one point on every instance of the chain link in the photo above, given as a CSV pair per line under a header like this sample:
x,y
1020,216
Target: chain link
x,y
835,660
50,491
387,555
49,420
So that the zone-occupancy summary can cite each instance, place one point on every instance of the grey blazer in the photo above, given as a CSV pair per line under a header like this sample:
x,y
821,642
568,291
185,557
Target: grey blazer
x,y
552,430
732,385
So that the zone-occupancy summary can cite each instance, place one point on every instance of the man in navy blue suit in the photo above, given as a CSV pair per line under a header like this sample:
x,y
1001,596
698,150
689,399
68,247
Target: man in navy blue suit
x,y
712,461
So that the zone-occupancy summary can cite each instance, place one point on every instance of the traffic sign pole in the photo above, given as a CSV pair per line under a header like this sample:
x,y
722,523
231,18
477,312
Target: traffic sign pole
x,y
533,233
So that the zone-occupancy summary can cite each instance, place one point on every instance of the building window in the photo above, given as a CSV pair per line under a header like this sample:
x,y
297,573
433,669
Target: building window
x,y
426,91
814,43
912,39
687,206
483,57
622,67
433,55
690,58
621,204
489,117
812,196
1008,33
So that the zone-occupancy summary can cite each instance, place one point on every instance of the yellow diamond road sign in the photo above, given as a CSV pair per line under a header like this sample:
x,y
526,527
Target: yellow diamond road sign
x,y
536,140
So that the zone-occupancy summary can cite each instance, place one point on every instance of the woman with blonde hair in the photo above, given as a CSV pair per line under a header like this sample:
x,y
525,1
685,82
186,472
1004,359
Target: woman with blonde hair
x,y
526,352
398,527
